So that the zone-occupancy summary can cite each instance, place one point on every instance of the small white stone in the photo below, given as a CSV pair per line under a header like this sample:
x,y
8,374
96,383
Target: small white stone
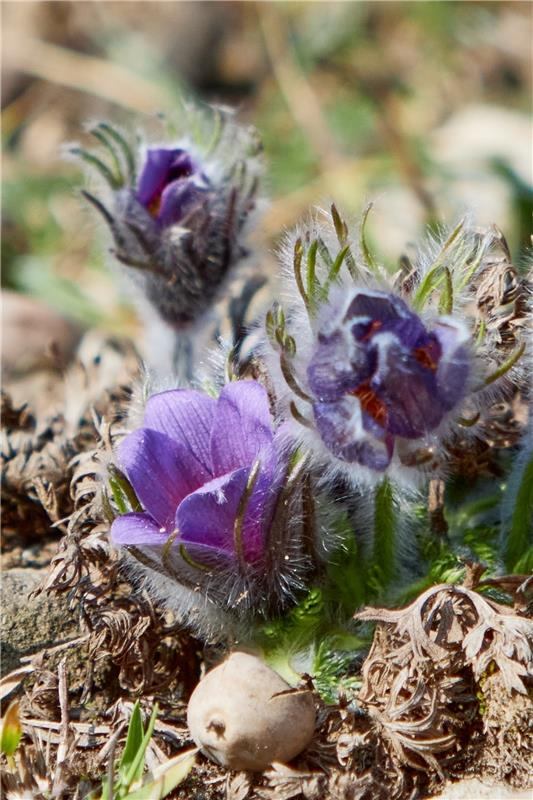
x,y
237,720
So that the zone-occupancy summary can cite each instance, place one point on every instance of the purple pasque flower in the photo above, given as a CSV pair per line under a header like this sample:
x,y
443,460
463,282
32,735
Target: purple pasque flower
x,y
377,373
205,472
177,212
171,183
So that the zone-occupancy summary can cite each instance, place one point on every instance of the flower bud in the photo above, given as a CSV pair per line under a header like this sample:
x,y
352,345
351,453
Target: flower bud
x,y
179,226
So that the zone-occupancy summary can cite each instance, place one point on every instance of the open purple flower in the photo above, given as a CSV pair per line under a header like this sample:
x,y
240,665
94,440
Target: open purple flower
x,y
377,373
170,184
205,472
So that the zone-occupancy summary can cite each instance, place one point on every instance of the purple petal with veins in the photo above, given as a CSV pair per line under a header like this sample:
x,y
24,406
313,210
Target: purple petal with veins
x,y
137,529
208,517
187,416
242,428
161,471
206,468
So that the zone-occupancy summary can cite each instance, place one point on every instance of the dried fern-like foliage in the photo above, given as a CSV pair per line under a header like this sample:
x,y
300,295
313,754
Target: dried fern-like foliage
x,y
38,448
422,678
51,468
502,308
34,472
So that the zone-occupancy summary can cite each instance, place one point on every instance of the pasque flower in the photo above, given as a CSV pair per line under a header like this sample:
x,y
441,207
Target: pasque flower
x,y
378,373
385,372
170,185
177,213
206,472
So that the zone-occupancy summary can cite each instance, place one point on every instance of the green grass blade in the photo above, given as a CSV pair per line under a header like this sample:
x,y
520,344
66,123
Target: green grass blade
x,y
520,535
383,562
11,730
166,777
137,764
134,741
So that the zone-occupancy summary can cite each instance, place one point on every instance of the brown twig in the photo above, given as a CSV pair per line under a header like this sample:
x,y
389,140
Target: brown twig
x,y
62,750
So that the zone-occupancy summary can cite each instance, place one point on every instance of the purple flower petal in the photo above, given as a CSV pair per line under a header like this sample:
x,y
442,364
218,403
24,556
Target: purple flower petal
x,y
162,166
341,426
408,391
187,417
376,306
207,518
161,471
454,364
338,365
137,529
177,200
242,426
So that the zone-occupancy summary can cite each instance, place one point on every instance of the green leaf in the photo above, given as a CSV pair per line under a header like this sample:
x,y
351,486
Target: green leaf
x,y
341,229
134,740
114,134
383,562
367,255
505,366
334,271
137,764
124,489
99,165
312,280
446,299
11,730
346,585
297,266
520,536
118,495
166,777
437,273
332,660
102,137
325,255
432,281
524,565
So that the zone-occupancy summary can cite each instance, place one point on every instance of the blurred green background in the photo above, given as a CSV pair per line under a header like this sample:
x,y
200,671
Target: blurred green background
x,y
422,107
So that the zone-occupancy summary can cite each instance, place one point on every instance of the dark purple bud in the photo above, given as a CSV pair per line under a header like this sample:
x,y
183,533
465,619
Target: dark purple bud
x,y
380,374
179,225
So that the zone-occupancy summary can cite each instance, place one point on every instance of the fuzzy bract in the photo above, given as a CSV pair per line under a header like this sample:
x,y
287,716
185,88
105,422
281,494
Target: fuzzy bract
x,y
204,470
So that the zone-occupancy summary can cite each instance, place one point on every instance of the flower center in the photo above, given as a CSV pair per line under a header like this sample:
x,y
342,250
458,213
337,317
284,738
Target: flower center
x,y
424,357
154,206
371,403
